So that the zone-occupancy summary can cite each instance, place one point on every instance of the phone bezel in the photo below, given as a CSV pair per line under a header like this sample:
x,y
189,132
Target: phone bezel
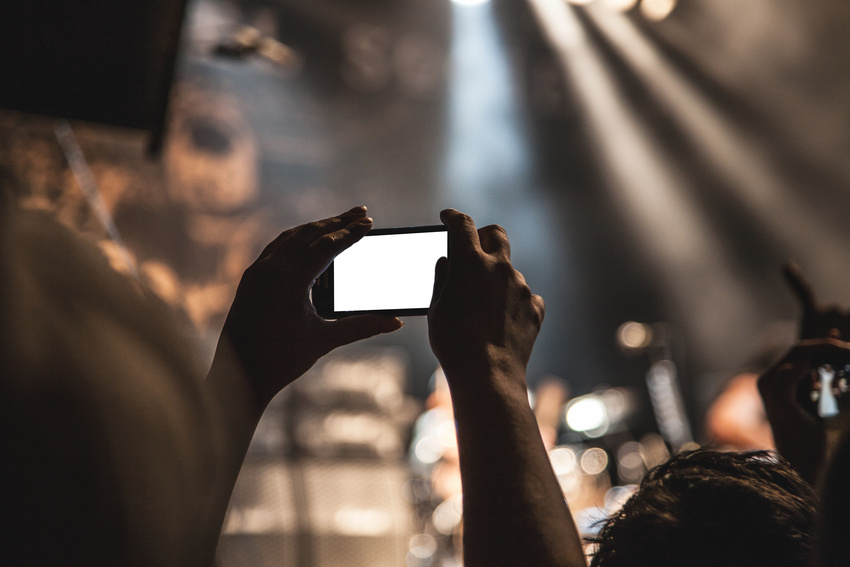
x,y
323,289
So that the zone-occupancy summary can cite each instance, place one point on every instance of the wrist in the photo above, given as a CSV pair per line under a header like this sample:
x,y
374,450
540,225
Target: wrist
x,y
494,371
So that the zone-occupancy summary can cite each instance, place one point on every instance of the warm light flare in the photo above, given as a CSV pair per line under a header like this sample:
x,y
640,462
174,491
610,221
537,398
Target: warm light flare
x,y
657,10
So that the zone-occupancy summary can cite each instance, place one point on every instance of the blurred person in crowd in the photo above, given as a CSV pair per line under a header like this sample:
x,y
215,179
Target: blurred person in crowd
x,y
736,419
114,449
817,445
711,508
803,436
514,512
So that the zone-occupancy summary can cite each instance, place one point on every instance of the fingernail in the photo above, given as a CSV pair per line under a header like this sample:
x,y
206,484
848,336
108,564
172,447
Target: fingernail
x,y
361,210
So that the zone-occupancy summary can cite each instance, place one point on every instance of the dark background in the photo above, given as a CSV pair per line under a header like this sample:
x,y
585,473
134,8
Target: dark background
x,y
657,171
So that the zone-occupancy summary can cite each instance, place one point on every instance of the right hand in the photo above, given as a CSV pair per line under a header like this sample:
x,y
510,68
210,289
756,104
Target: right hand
x,y
801,436
483,317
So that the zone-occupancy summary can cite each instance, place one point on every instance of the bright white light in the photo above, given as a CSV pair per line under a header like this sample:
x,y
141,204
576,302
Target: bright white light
x,y
388,271
563,460
363,521
587,414
470,2
428,450
447,435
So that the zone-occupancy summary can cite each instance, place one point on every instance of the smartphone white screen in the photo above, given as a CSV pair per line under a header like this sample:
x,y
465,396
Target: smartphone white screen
x,y
388,271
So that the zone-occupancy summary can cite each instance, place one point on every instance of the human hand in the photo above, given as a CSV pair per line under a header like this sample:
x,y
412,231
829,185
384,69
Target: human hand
x,y
272,325
483,317
801,435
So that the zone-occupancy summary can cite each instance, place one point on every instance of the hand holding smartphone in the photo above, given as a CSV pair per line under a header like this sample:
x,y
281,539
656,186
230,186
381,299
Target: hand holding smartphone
x,y
390,271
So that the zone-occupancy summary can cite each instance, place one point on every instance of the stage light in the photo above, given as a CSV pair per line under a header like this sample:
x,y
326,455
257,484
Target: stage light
x,y
446,434
633,335
422,548
657,10
363,522
428,451
564,461
594,461
652,190
588,415
448,515
620,5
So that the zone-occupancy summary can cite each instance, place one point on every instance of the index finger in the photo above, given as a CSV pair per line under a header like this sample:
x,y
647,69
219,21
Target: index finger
x,y
322,251
463,236
303,235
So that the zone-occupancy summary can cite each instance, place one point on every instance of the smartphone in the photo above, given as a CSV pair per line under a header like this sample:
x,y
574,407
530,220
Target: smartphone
x,y
389,271
826,393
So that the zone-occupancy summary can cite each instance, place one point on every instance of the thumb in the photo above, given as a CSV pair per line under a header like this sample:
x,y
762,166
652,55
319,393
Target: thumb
x,y
441,274
358,327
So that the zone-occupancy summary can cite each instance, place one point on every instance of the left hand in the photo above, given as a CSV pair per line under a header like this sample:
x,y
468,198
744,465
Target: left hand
x,y
801,436
272,325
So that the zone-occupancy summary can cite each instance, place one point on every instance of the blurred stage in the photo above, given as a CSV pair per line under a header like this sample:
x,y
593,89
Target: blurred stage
x,y
652,162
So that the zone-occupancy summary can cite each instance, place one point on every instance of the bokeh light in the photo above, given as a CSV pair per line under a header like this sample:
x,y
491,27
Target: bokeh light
x,y
657,10
634,335
594,461
588,415
620,5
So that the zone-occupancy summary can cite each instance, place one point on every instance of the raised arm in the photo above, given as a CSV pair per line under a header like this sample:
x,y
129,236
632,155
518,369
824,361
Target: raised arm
x,y
273,334
804,438
483,323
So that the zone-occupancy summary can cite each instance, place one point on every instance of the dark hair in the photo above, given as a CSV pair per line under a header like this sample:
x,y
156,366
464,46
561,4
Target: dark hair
x,y
709,508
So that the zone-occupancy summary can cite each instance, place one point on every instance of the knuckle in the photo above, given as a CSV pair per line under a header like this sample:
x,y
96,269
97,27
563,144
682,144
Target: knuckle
x,y
328,239
504,269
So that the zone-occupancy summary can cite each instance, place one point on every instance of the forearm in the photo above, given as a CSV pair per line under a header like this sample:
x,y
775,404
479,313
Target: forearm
x,y
234,409
514,510
834,544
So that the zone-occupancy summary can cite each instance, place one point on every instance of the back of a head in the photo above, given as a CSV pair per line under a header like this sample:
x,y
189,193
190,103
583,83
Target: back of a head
x,y
708,508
